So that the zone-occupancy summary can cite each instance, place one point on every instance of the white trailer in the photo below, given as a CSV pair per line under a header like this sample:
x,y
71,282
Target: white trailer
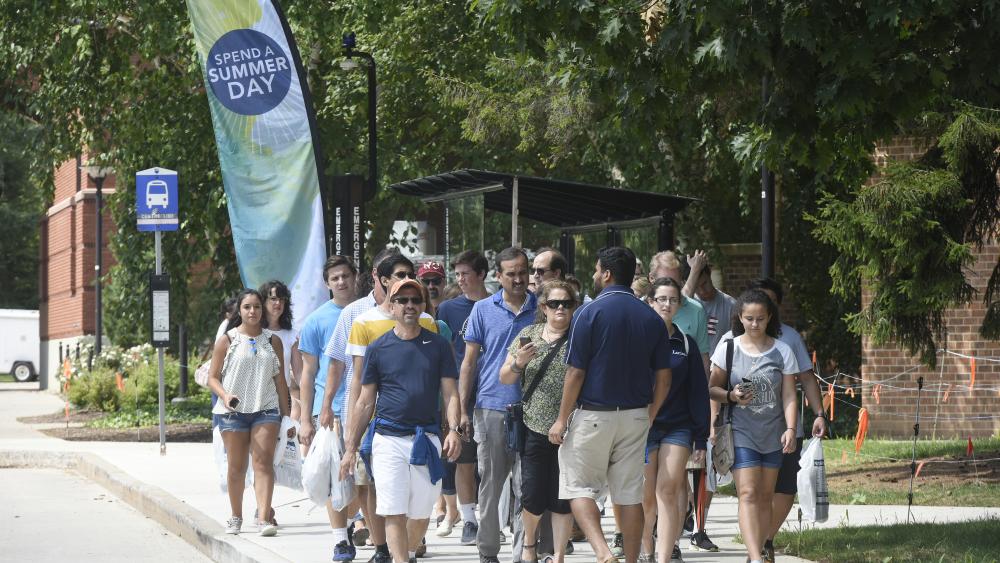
x,y
19,347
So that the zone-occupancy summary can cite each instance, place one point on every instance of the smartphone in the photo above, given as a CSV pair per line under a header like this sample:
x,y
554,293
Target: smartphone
x,y
525,340
234,402
746,386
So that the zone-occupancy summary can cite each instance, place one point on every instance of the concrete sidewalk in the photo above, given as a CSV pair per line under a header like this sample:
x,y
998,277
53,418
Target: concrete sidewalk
x,y
181,492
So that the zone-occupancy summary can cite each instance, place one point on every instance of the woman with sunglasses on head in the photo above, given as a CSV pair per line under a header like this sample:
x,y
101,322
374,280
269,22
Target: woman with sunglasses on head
x,y
246,374
758,394
537,359
681,425
278,319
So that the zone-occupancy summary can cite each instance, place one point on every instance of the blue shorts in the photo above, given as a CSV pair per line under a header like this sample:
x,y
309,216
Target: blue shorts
x,y
243,422
749,457
679,437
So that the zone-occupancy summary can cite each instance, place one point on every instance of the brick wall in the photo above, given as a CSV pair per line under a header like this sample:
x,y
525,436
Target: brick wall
x,y
961,412
68,254
742,263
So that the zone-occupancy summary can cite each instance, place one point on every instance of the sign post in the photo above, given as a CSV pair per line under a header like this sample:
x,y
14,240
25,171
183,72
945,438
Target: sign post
x,y
156,210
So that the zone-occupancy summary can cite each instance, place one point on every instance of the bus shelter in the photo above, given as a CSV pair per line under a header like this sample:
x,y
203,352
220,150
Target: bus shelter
x,y
573,207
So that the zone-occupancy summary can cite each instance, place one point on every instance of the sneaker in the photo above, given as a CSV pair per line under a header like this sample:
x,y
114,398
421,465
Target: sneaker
x,y
675,556
380,557
618,545
469,532
768,555
689,521
358,535
422,548
647,558
233,525
445,527
569,548
700,542
344,551
267,529
488,559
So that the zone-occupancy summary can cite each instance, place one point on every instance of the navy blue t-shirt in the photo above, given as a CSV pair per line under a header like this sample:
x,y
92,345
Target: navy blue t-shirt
x,y
687,404
408,375
455,312
619,341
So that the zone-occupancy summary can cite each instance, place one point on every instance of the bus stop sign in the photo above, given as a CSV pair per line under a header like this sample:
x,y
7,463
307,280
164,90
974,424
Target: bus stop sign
x,y
156,200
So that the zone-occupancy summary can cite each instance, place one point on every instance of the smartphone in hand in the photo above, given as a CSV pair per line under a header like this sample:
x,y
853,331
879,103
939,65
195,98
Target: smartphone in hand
x,y
524,341
234,402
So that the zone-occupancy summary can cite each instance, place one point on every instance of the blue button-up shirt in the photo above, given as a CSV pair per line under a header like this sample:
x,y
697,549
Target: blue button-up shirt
x,y
493,326
619,341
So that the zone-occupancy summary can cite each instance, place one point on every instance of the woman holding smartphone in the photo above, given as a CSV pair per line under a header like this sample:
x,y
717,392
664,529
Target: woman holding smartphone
x,y
247,375
760,390
537,360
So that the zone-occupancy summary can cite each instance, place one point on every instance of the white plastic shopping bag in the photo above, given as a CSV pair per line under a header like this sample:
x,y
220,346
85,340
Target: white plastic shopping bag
x,y
287,461
813,495
341,492
316,476
222,462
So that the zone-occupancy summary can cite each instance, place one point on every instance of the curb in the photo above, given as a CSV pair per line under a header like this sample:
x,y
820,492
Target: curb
x,y
195,528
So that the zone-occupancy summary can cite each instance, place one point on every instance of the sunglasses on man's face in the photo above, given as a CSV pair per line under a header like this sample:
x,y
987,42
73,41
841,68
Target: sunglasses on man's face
x,y
408,300
564,303
402,275
431,281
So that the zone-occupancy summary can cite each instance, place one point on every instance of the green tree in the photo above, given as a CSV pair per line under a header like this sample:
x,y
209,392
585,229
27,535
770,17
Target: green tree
x,y
22,202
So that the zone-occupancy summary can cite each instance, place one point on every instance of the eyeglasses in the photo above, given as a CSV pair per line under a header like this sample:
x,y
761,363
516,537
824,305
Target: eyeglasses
x,y
667,300
540,271
402,275
253,345
276,299
556,303
408,300
431,281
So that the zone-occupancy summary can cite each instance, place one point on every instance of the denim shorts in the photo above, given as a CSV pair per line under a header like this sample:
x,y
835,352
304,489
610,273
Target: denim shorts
x,y
749,457
244,421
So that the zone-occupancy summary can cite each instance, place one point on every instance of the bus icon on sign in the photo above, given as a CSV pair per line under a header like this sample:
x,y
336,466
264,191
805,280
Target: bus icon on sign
x,y
156,194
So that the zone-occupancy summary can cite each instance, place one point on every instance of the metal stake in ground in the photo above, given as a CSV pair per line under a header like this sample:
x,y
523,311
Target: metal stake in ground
x,y
913,455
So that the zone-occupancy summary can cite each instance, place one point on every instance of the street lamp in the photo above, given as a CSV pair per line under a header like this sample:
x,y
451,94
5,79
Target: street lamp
x,y
349,64
98,174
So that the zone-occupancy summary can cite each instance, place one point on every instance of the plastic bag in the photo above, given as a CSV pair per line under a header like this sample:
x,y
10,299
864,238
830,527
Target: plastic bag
x,y
222,462
316,473
287,461
813,494
341,492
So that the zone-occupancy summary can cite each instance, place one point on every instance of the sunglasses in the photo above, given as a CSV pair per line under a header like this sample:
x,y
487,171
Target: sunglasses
x,y
556,303
408,300
253,345
431,281
404,275
540,271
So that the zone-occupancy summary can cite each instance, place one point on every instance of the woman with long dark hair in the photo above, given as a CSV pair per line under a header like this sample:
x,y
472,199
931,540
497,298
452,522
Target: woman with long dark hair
x,y
278,319
758,394
246,374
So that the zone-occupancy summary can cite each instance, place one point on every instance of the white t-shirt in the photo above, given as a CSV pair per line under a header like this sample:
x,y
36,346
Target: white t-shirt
x,y
288,338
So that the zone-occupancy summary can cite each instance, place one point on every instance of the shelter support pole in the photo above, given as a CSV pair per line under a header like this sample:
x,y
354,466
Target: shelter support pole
x,y
447,239
514,239
567,247
614,236
665,232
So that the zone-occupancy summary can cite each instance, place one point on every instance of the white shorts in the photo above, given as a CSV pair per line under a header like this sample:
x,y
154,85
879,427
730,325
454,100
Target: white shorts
x,y
402,488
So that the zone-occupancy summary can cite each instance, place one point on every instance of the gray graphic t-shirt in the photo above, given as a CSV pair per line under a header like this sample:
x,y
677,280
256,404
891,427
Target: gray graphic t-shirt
x,y
759,424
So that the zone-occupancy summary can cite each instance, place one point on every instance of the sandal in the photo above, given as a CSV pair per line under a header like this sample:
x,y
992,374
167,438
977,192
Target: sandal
x,y
532,546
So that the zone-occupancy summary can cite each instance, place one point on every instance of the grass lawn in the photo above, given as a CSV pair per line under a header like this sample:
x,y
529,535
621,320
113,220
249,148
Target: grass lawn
x,y
880,473
6,378
977,541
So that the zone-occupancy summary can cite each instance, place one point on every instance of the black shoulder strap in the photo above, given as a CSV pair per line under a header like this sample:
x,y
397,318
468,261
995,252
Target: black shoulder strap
x,y
729,375
542,367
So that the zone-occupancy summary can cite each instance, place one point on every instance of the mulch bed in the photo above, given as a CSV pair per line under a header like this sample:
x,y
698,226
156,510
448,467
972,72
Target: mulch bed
x,y
60,416
175,433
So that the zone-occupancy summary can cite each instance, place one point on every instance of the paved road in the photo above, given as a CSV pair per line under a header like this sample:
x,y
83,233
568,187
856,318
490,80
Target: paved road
x,y
52,515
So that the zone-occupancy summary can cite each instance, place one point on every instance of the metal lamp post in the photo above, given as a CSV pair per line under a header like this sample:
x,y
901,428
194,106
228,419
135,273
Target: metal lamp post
x,y
98,174
357,203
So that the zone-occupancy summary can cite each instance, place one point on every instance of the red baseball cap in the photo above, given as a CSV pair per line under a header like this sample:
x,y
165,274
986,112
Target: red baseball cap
x,y
431,269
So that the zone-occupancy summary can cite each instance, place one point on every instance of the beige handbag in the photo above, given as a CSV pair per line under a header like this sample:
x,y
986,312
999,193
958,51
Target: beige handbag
x,y
723,453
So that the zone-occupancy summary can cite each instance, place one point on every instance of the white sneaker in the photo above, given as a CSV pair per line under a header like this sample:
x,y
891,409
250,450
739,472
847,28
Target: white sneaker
x,y
445,527
233,525
268,529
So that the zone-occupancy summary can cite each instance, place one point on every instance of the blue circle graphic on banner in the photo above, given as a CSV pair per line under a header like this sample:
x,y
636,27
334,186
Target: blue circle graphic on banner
x,y
248,72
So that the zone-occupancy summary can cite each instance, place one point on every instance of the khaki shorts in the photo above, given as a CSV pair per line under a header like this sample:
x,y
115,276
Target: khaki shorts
x,y
604,451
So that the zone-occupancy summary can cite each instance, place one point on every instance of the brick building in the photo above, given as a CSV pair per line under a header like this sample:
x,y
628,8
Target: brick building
x,y
951,404
67,262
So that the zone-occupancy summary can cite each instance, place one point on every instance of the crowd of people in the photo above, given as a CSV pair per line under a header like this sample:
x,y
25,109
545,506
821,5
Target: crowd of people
x,y
531,408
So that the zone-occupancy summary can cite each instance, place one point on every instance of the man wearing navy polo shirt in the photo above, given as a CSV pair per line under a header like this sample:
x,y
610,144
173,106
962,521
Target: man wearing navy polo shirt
x,y
618,377
492,326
